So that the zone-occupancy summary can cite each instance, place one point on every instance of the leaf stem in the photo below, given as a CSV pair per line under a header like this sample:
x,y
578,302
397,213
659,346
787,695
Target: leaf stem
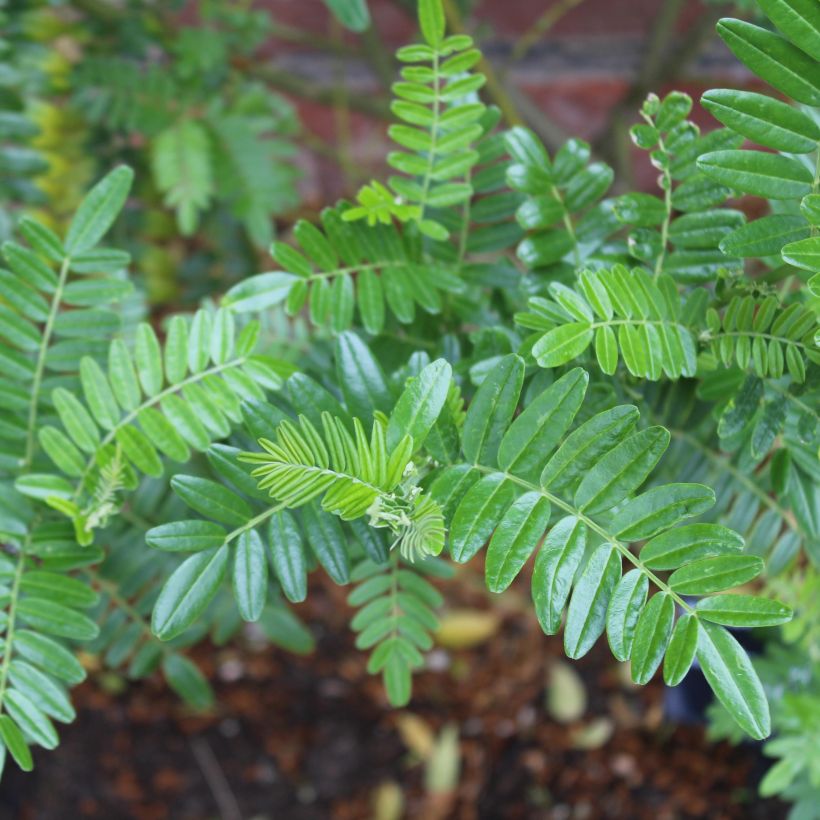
x,y
150,402
8,638
622,548
33,407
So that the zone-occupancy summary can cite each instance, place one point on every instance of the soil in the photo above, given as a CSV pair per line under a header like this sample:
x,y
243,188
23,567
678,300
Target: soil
x,y
303,738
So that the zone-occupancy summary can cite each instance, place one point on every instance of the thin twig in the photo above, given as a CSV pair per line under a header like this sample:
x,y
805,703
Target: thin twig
x,y
495,88
541,26
216,780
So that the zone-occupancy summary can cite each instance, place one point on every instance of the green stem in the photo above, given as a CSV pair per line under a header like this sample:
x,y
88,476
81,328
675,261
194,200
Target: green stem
x,y
150,402
667,202
257,519
112,591
707,337
8,638
566,217
31,427
431,154
622,548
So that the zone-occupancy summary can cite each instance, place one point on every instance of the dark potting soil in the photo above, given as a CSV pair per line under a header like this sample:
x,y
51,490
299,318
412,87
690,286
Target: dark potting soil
x,y
303,738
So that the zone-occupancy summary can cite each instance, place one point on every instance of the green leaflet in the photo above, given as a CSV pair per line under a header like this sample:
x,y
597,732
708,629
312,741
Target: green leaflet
x,y
211,499
562,344
420,404
515,539
743,610
586,615
187,681
676,547
288,555
797,19
774,59
352,14
476,515
250,575
491,410
763,120
660,508
621,470
327,540
98,210
360,377
585,446
681,650
765,236
803,254
715,574
541,425
652,633
733,679
755,172
624,609
188,591
186,536
14,741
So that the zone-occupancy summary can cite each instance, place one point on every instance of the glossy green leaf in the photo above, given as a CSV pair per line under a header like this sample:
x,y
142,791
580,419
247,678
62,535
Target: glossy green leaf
x,y
420,404
360,377
660,508
188,591
586,615
477,515
733,679
191,535
491,410
555,567
56,619
515,538
681,650
763,120
541,425
804,254
755,172
431,21
676,547
288,555
585,446
98,210
327,540
562,344
774,59
621,470
212,499
715,574
250,575
148,358
14,741
743,610
652,633
625,608
798,20
765,236
185,678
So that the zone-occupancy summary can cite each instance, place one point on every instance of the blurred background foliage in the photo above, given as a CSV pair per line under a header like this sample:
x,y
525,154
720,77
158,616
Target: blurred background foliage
x,y
231,145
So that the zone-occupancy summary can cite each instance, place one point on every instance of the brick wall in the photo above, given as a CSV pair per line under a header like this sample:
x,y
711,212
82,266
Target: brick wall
x,y
574,76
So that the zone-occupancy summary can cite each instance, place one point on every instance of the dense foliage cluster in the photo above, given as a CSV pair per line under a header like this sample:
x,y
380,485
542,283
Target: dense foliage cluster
x,y
505,365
